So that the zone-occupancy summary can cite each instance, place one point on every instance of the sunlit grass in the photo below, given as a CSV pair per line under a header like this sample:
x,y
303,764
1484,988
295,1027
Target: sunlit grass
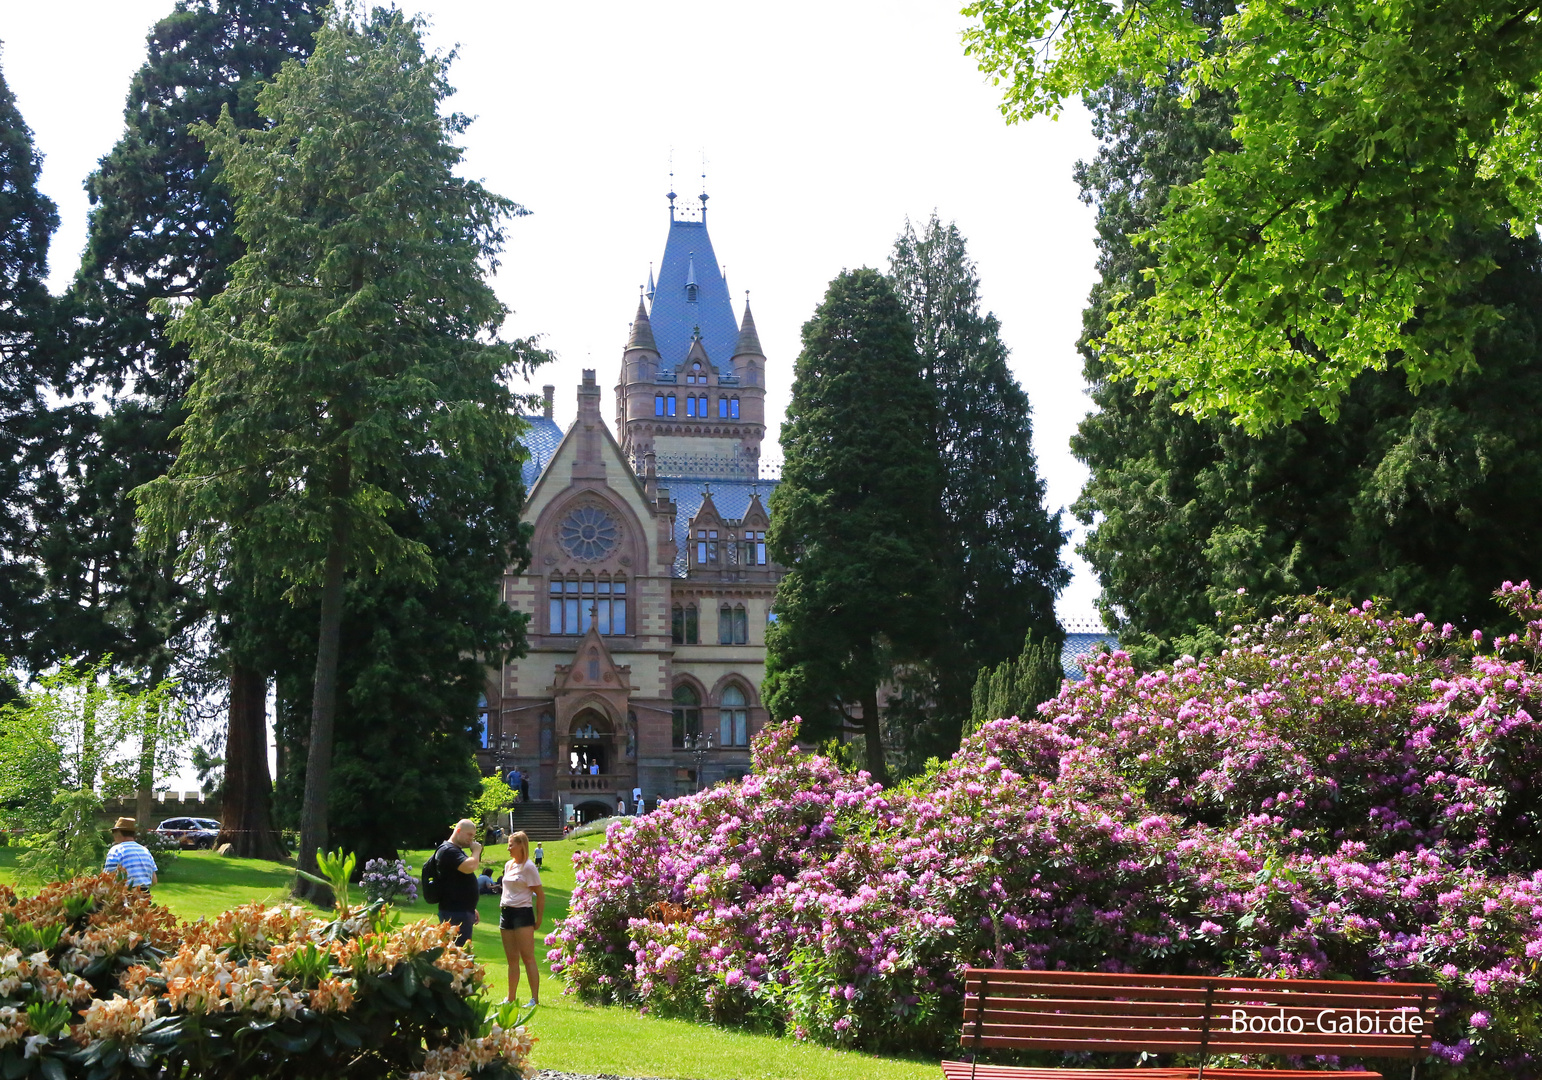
x,y
574,1037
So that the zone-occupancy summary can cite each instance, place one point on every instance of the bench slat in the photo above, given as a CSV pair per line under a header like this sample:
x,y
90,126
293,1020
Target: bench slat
x,y
1223,995
1006,976
963,1070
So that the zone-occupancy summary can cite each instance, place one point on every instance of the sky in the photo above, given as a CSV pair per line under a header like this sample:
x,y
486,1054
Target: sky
x,y
820,126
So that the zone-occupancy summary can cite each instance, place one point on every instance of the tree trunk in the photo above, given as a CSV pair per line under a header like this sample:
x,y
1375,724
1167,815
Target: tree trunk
x,y
247,815
877,766
149,744
318,762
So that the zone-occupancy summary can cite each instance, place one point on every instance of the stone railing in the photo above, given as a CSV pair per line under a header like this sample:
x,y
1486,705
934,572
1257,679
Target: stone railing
x,y
588,782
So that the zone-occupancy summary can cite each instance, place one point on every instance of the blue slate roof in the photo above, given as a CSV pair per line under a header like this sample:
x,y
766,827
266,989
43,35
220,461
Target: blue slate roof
x,y
1077,648
688,250
541,440
731,497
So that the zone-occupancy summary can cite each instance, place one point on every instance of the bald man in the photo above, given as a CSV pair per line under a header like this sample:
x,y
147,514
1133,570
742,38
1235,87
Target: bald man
x,y
458,860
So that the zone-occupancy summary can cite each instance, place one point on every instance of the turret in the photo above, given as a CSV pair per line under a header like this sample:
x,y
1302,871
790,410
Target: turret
x,y
639,366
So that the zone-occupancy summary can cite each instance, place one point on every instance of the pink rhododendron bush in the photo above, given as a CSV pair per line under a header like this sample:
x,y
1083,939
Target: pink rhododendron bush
x,y
1344,793
98,983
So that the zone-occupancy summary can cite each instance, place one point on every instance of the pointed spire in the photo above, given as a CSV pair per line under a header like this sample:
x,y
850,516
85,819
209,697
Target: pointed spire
x,y
749,340
651,288
642,330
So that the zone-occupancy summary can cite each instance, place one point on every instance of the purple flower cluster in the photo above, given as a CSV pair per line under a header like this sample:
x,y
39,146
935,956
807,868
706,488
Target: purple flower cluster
x,y
1344,792
390,880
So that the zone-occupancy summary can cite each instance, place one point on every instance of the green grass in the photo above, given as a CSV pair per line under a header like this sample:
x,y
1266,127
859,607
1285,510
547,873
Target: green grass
x,y
574,1037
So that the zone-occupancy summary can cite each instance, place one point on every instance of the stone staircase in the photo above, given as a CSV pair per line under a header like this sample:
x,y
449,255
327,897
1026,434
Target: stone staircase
x,y
539,820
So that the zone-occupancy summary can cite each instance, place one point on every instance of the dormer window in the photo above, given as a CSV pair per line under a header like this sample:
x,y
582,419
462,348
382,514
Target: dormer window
x,y
696,375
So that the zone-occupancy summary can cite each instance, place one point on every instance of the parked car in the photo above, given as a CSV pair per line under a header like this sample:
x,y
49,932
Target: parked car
x,y
191,832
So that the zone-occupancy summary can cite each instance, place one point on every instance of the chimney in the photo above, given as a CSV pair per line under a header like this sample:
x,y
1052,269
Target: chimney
x,y
650,474
547,393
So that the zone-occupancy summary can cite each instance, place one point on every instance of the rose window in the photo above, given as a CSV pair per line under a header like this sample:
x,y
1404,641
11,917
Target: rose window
x,y
588,533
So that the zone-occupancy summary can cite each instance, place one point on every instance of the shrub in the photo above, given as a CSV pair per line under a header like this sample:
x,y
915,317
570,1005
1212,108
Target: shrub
x,y
1344,792
74,842
164,849
389,881
97,982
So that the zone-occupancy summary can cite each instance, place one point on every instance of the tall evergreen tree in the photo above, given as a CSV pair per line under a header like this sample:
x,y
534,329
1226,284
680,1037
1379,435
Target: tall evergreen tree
x,y
1000,560
856,518
1430,500
161,228
355,344
27,221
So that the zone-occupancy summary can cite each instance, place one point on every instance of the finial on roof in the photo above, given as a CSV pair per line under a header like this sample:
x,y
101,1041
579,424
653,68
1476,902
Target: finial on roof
x,y
651,288
642,330
696,333
703,187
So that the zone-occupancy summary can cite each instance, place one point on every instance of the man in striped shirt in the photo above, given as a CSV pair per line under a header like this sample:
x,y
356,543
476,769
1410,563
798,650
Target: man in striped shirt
x,y
130,858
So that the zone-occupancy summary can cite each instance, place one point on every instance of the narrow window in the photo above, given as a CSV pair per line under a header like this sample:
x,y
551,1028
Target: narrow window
x,y
586,608
687,715
690,406
691,636
618,606
712,546
701,547
733,408
658,404
570,607
554,613
760,549
677,625
733,718
722,408
725,625
701,406
690,294
602,606
741,626
670,404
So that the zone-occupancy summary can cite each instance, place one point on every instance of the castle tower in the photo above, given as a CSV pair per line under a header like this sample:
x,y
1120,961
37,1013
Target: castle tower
x,y
691,389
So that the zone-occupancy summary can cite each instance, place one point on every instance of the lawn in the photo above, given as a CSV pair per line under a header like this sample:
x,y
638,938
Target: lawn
x,y
573,1037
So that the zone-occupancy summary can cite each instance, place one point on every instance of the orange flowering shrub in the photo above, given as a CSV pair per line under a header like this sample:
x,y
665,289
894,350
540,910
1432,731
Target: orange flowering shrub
x,y
98,983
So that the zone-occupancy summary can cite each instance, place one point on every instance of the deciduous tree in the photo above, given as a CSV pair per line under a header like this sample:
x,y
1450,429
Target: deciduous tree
x,y
1332,237
856,518
1424,499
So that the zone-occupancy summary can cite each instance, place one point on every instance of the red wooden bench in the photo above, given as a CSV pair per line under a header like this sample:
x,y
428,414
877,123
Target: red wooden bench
x,y
1187,1014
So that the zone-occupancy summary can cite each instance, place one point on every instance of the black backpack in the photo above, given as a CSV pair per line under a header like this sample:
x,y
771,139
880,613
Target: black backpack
x,y
429,878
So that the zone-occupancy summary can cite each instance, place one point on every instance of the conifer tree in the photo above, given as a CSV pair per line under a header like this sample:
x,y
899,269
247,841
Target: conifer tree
x,y
1017,686
1000,560
856,517
27,221
161,228
354,345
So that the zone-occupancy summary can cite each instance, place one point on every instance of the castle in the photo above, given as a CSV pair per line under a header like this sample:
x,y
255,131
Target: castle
x,y
649,587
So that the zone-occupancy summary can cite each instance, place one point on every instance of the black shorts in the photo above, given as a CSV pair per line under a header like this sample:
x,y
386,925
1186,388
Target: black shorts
x,y
515,918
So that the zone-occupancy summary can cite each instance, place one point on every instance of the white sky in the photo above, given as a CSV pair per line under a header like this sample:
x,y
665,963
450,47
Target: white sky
x,y
824,125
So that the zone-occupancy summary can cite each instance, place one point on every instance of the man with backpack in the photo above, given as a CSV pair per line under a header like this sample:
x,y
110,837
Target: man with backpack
x,y
450,879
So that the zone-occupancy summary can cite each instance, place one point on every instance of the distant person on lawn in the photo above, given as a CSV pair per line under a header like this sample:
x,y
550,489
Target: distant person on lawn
x,y
540,853
521,910
457,874
128,857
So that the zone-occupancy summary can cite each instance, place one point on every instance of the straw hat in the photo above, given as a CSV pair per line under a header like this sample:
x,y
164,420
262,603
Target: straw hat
x,y
125,825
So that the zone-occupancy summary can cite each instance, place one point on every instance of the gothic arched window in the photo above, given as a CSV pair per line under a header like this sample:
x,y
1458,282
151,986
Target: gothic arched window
x,y
690,405
669,404
725,625
687,714
658,404
562,617
701,405
722,408
733,408
733,718
741,626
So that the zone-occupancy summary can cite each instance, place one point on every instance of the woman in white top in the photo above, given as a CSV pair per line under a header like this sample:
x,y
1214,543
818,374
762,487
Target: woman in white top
x,y
521,910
